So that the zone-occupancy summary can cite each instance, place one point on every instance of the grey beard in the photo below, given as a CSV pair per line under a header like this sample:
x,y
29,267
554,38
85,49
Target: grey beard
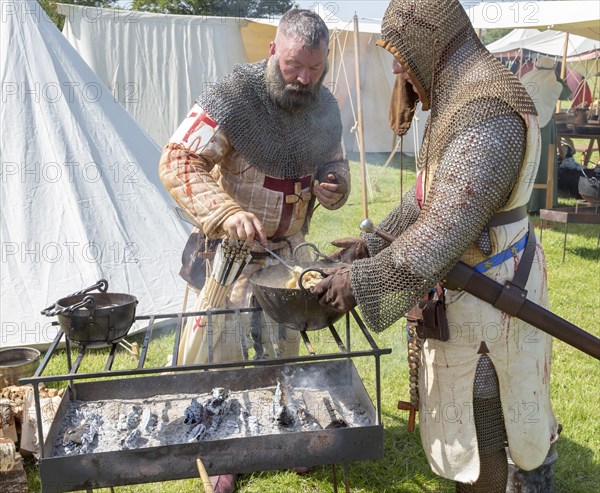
x,y
290,97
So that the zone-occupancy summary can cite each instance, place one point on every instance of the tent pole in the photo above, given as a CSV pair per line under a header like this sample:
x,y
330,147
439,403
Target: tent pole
x,y
550,177
361,138
595,88
563,68
333,78
518,74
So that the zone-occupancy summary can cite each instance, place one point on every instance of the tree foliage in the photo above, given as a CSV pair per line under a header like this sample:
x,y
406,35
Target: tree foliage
x,y
59,20
491,35
219,8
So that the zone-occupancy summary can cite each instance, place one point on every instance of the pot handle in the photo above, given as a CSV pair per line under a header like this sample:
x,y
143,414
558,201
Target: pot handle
x,y
88,301
301,285
101,285
315,251
51,311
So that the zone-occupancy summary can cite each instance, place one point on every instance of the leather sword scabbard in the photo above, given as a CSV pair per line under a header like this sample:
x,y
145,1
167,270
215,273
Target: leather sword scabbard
x,y
465,278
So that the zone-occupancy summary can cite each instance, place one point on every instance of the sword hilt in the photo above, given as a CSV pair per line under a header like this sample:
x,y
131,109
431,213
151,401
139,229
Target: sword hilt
x,y
412,414
367,226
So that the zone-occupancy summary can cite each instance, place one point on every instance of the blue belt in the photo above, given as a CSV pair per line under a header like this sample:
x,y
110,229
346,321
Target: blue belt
x,y
503,256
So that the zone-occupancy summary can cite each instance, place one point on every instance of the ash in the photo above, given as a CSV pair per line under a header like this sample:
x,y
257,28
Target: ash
x,y
111,425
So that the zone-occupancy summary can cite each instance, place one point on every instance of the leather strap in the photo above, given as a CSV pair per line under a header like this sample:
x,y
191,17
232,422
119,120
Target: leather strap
x,y
508,217
524,268
513,293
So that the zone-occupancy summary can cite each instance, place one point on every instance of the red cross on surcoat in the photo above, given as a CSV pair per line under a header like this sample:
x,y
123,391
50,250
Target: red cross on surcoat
x,y
292,194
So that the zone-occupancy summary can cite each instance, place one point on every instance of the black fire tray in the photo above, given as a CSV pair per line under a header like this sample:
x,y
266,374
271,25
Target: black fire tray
x,y
232,455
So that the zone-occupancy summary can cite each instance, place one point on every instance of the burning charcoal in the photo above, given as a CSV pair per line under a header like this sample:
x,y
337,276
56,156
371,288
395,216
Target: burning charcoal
x,y
193,413
282,410
196,433
336,419
148,421
165,412
74,435
134,440
359,415
308,420
252,426
216,403
219,393
81,438
215,409
228,427
231,420
250,422
89,436
132,420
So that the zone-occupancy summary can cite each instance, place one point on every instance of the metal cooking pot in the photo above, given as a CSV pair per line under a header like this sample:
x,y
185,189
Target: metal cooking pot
x,y
295,307
94,319
16,363
589,189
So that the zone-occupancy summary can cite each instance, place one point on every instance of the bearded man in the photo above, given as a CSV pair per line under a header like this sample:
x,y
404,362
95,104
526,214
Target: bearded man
x,y
484,387
253,153
250,159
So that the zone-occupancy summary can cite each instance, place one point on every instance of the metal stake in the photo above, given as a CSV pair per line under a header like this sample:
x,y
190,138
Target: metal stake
x,y
334,473
347,477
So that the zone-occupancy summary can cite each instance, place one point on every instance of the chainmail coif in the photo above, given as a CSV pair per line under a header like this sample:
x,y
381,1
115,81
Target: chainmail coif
x,y
471,155
424,34
272,140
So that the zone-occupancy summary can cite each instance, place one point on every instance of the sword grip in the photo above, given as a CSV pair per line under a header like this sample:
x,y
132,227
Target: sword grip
x,y
367,226
412,413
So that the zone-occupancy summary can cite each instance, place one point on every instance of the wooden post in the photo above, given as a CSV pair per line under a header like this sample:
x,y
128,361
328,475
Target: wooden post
x,y
333,78
551,151
520,63
563,69
550,179
361,139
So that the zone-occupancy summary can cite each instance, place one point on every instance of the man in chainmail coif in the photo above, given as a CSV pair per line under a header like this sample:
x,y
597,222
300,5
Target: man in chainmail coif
x,y
255,152
484,391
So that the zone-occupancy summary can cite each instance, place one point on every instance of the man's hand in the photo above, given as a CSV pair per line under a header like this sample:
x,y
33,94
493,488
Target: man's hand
x,y
330,193
244,226
335,290
354,248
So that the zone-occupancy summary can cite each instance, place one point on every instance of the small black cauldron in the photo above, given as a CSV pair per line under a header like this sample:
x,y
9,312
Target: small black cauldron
x,y
94,319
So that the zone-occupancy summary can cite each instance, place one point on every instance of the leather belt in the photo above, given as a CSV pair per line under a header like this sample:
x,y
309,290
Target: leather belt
x,y
508,217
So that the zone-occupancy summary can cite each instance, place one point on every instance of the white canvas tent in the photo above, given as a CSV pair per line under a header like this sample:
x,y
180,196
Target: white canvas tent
x,y
582,54
580,17
551,43
158,64
513,40
81,198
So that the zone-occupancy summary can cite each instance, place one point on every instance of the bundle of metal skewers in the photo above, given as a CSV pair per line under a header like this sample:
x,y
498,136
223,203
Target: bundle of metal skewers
x,y
230,259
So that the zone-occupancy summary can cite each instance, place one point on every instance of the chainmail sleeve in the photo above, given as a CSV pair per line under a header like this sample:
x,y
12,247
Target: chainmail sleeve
x,y
473,180
396,222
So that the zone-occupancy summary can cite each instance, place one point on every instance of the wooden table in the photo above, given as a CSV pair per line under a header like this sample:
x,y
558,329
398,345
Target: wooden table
x,y
582,213
592,134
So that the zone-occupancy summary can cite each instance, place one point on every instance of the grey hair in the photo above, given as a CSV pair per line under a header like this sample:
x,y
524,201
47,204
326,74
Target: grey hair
x,y
305,26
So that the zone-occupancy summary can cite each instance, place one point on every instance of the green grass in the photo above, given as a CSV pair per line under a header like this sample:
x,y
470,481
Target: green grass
x,y
574,294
